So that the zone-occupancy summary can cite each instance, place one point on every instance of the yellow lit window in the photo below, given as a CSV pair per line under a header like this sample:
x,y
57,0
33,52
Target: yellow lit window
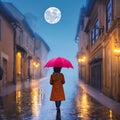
x,y
18,62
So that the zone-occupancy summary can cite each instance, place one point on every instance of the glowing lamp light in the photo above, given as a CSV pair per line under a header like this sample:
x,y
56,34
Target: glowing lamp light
x,y
36,64
19,54
117,47
117,51
82,59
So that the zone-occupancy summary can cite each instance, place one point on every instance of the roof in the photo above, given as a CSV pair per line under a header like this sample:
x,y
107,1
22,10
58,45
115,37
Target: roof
x,y
14,15
40,38
6,13
85,11
89,6
13,11
81,20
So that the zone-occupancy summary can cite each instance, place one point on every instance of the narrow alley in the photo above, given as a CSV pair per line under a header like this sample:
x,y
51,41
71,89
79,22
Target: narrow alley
x,y
37,36
30,101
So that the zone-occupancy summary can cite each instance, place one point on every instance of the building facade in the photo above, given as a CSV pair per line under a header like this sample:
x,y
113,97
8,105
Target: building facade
x,y
42,50
20,56
6,48
98,38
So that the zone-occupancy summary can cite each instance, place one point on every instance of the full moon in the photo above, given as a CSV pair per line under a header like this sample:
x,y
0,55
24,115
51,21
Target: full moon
x,y
52,15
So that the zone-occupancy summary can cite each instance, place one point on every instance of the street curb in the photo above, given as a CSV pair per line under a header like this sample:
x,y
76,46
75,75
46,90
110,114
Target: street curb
x,y
106,101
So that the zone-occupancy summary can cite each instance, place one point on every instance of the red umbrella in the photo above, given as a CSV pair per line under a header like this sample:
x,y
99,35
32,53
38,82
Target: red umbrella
x,y
59,62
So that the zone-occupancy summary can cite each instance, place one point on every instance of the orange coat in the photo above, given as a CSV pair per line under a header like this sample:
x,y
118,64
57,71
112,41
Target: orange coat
x,y
57,81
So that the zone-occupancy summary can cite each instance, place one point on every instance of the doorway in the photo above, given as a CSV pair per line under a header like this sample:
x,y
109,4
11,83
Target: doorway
x,y
96,75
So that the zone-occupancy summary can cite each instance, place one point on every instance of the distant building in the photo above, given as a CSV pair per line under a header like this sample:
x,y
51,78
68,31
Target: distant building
x,y
98,38
42,50
19,52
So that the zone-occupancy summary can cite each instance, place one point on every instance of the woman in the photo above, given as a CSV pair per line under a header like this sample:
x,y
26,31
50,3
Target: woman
x,y
57,94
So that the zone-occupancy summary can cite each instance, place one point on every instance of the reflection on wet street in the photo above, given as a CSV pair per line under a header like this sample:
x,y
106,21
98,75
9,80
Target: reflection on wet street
x,y
58,115
32,103
89,109
22,104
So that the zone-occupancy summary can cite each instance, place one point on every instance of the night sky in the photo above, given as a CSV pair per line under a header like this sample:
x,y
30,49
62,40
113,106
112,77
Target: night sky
x,y
60,37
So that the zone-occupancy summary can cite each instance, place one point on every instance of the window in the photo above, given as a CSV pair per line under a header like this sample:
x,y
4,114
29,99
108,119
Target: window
x,y
95,32
108,14
92,36
0,27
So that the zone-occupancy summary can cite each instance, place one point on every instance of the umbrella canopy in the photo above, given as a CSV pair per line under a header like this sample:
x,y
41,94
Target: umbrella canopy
x,y
59,62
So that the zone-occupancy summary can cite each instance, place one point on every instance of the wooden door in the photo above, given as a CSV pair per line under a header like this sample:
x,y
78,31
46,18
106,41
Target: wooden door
x,y
96,75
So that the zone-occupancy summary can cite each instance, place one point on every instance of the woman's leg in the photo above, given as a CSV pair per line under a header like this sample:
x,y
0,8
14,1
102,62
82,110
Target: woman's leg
x,y
58,103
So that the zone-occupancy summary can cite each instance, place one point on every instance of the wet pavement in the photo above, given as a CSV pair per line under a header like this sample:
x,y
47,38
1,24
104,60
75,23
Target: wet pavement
x,y
30,101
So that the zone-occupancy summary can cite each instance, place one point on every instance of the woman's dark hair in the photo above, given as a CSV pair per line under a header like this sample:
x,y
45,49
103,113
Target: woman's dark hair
x,y
57,69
